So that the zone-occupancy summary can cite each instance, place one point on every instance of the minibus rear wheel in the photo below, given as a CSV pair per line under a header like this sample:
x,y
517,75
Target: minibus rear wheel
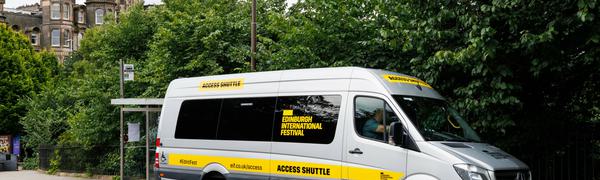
x,y
213,175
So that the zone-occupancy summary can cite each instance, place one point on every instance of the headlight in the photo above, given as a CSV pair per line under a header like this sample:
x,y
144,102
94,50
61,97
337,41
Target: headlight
x,y
471,172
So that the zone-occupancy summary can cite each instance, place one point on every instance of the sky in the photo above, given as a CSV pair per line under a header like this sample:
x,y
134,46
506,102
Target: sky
x,y
17,3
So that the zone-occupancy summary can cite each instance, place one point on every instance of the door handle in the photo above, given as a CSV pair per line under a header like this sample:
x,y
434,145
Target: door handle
x,y
355,151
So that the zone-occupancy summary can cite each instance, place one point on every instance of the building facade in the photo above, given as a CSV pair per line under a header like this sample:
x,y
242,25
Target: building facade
x,y
59,25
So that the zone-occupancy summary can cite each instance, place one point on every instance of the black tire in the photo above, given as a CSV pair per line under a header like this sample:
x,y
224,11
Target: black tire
x,y
213,176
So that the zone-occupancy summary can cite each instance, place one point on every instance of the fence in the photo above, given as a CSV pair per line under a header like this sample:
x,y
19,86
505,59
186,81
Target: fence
x,y
100,160
568,165
575,156
104,159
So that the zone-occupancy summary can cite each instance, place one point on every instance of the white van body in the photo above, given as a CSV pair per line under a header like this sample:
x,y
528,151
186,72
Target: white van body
x,y
321,129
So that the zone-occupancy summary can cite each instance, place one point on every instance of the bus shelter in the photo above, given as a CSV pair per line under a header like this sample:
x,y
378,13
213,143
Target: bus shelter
x,y
145,106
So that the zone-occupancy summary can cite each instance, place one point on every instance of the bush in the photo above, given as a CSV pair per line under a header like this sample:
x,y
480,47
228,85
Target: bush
x,y
54,162
31,163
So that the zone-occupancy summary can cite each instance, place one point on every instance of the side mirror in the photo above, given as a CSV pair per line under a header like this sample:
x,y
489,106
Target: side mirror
x,y
397,134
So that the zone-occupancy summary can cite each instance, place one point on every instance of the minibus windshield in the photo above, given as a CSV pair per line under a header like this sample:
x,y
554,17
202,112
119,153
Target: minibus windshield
x,y
436,120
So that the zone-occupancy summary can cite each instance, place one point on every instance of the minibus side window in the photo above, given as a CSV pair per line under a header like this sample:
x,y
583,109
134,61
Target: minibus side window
x,y
246,119
198,119
372,117
306,119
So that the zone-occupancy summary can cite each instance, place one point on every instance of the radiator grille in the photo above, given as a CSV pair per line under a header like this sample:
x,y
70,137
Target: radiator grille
x,y
512,175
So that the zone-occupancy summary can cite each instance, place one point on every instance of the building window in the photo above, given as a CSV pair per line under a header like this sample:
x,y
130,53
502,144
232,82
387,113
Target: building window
x,y
55,37
67,11
99,16
80,17
67,35
55,11
34,38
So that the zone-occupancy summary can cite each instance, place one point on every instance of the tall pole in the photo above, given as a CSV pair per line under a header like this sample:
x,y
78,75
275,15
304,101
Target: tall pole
x,y
122,92
253,38
147,143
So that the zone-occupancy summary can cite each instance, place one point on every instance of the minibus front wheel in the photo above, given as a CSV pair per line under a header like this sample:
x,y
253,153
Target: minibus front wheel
x,y
213,175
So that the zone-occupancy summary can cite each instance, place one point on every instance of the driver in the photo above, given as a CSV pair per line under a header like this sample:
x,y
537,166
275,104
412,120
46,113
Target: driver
x,y
373,128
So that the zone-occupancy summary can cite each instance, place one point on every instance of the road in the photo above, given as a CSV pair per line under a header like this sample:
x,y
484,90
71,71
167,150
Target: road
x,y
33,175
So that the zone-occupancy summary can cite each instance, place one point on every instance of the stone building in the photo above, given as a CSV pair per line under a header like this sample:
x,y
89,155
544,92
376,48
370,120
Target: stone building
x,y
59,25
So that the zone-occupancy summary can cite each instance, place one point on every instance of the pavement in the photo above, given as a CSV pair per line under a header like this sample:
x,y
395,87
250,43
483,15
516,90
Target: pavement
x,y
33,175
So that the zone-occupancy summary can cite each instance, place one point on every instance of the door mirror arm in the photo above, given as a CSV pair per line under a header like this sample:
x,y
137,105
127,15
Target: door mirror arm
x,y
396,136
400,137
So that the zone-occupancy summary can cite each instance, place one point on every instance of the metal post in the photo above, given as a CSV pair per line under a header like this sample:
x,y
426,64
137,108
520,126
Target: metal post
x,y
147,143
253,38
122,92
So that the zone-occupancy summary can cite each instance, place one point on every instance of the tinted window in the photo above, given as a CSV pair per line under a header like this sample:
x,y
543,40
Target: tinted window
x,y
306,119
247,119
436,120
198,119
372,117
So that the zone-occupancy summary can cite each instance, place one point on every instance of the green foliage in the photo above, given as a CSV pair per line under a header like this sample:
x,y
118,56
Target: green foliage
x,y
15,82
127,40
54,162
513,67
94,121
22,73
73,109
516,69
49,120
110,162
31,163
42,69
193,43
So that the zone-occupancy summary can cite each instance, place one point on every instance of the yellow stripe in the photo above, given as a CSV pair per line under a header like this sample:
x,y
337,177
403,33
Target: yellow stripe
x,y
280,167
231,163
367,173
306,169
406,80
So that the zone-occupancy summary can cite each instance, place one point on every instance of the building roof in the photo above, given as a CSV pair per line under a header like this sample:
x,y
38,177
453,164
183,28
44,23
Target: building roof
x,y
13,10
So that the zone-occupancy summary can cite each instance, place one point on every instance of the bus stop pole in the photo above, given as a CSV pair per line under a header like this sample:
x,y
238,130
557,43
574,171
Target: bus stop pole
x,y
147,144
121,160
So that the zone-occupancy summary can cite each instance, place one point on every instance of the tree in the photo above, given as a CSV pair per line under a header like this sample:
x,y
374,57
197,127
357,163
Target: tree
x,y
516,69
50,110
318,33
73,109
194,43
18,61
